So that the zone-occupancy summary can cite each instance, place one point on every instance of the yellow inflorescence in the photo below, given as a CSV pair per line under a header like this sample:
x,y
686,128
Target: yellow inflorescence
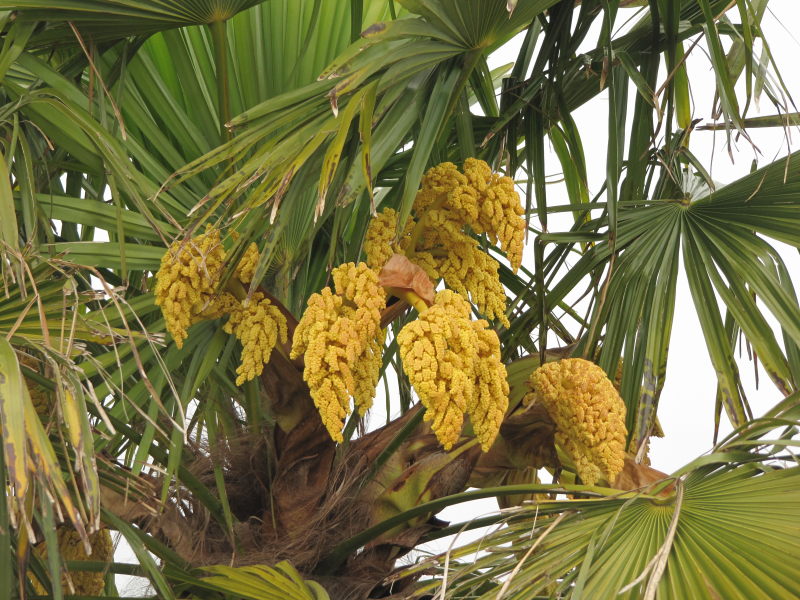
x,y
490,400
186,292
70,546
466,268
588,412
341,337
247,265
498,208
451,205
257,324
185,282
437,184
378,246
454,365
485,201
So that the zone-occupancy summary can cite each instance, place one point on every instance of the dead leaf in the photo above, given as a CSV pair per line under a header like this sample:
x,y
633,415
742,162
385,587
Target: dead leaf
x,y
635,476
400,272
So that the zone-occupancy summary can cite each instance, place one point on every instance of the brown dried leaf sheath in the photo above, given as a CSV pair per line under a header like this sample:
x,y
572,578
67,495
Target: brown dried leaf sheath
x,y
635,476
400,272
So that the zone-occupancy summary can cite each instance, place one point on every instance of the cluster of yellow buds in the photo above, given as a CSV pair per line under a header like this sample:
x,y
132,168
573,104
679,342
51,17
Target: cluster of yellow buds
x,y
257,324
70,546
247,265
186,291
491,205
485,201
588,412
436,237
379,244
340,335
454,365
186,281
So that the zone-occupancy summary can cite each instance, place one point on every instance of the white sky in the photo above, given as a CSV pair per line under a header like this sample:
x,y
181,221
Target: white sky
x,y
686,408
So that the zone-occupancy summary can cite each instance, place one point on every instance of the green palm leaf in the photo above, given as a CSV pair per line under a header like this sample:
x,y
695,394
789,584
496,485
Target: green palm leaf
x,y
725,530
101,21
265,583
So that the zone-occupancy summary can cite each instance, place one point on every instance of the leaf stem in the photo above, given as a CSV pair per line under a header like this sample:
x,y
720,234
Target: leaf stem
x,y
219,35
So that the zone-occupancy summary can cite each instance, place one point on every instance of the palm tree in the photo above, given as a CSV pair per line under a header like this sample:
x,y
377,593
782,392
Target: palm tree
x,y
129,126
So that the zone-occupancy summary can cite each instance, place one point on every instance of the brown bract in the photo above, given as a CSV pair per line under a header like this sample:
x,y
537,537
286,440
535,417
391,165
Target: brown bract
x,y
637,476
400,272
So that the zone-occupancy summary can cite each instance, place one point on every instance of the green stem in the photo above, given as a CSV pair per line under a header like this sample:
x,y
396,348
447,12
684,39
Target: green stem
x,y
219,35
235,287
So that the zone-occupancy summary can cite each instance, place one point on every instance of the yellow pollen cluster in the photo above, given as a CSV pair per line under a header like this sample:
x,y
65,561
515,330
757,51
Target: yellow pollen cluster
x,y
186,292
496,207
378,239
185,282
70,546
454,365
449,206
588,413
437,184
247,265
257,324
341,338
466,268
490,400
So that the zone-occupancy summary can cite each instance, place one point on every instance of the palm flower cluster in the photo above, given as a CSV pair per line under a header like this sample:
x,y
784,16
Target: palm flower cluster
x,y
70,546
257,324
450,204
454,365
247,265
186,281
186,291
379,244
588,412
341,337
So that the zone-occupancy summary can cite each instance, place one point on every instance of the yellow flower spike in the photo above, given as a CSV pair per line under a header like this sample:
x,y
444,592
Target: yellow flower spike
x,y
366,371
186,279
218,306
472,273
378,239
454,365
499,211
490,401
437,182
247,265
257,324
321,312
588,412
341,338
